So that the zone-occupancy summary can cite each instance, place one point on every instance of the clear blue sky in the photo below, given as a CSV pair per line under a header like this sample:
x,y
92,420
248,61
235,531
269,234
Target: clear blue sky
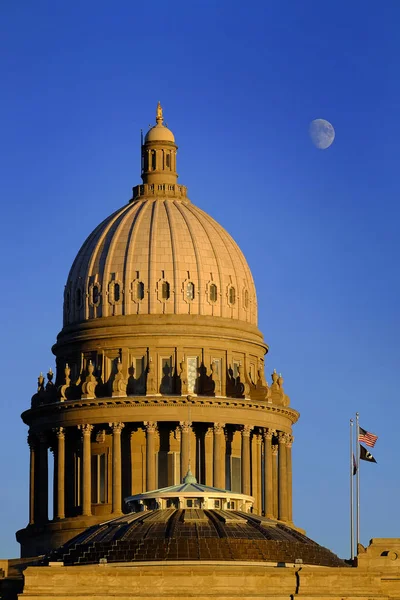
x,y
240,82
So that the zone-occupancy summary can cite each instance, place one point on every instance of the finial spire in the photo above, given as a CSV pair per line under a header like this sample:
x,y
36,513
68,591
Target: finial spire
x,y
159,114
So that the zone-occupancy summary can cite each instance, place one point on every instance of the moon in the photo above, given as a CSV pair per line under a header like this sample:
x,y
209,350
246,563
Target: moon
x,y
321,133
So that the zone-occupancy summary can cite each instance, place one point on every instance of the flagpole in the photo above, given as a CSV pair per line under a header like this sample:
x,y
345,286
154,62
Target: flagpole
x,y
358,480
351,490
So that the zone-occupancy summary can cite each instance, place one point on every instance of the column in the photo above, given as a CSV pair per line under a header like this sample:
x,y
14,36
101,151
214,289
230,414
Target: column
x,y
268,474
60,509
43,495
86,431
208,451
245,462
151,428
186,430
116,468
32,441
289,443
219,451
274,450
282,478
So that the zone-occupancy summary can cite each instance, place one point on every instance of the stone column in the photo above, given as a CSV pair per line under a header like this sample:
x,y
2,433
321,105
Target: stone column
x,y
282,478
245,462
32,477
60,509
208,450
274,449
186,430
86,468
219,451
43,495
151,428
289,443
268,474
116,468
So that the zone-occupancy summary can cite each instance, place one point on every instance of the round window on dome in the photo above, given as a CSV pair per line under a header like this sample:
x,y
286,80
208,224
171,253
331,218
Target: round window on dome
x,y
189,292
213,292
78,298
95,295
165,290
140,290
246,298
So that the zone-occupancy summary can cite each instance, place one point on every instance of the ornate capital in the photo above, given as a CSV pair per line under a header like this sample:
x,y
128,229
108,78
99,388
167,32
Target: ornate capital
x,y
85,429
42,436
269,433
289,440
32,441
185,426
151,426
219,428
274,449
258,438
116,427
60,432
246,430
282,437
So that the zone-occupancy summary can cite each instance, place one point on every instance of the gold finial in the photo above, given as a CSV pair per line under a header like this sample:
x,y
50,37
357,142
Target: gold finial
x,y
159,114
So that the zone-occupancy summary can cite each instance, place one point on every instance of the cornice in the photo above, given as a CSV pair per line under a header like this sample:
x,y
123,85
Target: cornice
x,y
29,416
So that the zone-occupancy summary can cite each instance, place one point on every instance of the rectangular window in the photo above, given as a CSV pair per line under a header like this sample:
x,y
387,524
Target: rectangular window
x,y
99,478
216,366
235,368
192,374
166,375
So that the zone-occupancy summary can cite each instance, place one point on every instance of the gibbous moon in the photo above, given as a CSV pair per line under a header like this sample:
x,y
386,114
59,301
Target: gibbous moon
x,y
322,133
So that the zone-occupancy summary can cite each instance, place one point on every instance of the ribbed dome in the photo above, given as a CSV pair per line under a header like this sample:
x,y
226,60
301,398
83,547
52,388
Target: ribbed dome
x,y
193,534
160,256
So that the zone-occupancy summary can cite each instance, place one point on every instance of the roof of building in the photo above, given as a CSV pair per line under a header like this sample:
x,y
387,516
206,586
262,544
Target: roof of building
x,y
152,241
192,534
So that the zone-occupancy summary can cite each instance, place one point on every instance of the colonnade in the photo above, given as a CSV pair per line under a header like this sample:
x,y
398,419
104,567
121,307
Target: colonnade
x,y
266,467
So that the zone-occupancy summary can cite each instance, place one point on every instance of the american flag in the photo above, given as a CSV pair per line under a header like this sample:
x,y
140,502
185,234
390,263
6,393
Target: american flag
x,y
367,437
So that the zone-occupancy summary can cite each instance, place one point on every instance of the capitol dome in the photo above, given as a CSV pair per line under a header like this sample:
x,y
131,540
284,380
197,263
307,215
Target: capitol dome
x,y
159,365
160,255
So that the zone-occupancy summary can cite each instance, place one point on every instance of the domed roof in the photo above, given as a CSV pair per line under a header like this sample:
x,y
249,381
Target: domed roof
x,y
160,255
159,133
192,534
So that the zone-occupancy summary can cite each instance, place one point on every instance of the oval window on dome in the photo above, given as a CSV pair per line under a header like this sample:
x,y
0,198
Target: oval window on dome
x,y
213,292
67,302
95,294
165,290
140,290
190,290
246,298
78,298
232,295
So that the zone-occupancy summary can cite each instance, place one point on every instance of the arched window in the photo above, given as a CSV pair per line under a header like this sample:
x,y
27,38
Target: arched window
x,y
232,295
78,298
246,298
95,294
153,160
190,291
117,292
168,160
67,301
213,292
140,290
165,292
